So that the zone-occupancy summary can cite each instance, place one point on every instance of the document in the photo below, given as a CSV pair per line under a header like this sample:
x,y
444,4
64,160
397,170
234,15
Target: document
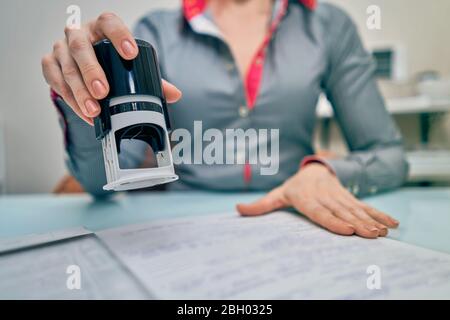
x,y
46,272
16,243
277,256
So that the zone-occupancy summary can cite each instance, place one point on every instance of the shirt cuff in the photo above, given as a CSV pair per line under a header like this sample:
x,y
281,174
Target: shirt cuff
x,y
315,159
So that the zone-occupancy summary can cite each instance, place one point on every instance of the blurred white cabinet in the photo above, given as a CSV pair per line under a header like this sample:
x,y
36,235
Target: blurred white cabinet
x,y
409,105
426,165
429,165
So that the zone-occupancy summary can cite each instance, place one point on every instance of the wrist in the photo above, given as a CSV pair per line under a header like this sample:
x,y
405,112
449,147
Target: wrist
x,y
317,168
316,161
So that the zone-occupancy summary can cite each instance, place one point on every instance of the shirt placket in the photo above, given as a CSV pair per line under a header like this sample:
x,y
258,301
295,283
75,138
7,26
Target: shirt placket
x,y
194,13
255,73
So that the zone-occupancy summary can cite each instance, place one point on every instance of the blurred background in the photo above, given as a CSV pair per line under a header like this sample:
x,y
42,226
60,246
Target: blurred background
x,y
412,50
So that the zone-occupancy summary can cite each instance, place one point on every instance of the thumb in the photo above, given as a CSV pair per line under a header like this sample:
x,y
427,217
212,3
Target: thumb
x,y
272,201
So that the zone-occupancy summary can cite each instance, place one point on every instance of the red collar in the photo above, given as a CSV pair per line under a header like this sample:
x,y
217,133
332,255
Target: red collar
x,y
191,8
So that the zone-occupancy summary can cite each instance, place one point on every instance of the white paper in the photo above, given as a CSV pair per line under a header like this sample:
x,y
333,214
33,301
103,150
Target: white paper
x,y
15,243
41,273
278,256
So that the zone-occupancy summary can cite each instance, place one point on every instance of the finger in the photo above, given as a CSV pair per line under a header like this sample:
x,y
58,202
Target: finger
x,y
362,228
374,213
274,200
54,78
88,105
354,208
83,53
110,26
324,217
172,93
361,214
379,216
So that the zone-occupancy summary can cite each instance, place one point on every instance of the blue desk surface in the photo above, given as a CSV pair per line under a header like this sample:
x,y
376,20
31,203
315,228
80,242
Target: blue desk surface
x,y
424,214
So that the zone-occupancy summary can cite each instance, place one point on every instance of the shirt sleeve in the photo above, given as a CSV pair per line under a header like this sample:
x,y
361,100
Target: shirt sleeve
x,y
84,152
376,161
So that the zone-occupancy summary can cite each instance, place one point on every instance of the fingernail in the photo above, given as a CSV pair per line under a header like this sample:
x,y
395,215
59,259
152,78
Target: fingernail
x,y
99,88
372,229
128,48
91,107
178,91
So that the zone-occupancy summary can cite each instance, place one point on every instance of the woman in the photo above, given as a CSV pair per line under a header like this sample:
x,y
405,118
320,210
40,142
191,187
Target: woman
x,y
249,64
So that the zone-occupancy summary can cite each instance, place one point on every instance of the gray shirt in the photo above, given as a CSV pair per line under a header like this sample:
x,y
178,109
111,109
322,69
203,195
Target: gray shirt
x,y
310,52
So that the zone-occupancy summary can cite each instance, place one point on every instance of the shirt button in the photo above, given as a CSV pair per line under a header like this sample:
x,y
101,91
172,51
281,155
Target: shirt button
x,y
373,190
243,111
355,189
229,66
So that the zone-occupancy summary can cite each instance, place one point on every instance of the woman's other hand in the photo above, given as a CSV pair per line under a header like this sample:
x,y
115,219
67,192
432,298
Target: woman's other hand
x,y
317,193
